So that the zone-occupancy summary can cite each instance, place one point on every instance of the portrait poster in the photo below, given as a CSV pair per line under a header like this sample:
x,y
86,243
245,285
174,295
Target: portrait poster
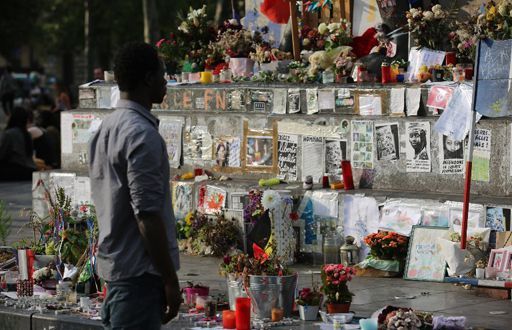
x,y
312,157
182,198
400,218
294,100
362,144
425,262
498,219
287,146
417,148
171,132
198,143
481,155
451,155
312,100
212,199
335,152
360,218
259,151
227,151
388,144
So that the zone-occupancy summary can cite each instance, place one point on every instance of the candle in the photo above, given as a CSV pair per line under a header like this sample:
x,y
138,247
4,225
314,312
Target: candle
x,y
277,314
348,180
228,319
206,77
243,313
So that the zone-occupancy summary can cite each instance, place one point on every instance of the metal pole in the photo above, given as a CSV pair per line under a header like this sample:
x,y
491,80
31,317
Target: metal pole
x,y
469,162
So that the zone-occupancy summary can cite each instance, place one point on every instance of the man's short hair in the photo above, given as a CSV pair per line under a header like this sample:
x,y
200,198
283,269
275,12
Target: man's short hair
x,y
132,62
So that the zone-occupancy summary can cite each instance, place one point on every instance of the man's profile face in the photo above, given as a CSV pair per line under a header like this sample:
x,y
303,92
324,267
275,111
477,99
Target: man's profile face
x,y
158,84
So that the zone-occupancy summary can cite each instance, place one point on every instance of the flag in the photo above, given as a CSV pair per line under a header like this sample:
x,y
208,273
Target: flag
x,y
277,11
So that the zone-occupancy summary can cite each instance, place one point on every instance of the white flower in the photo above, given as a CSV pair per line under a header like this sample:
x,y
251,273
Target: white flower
x,y
270,199
333,27
183,27
322,28
437,8
305,42
428,15
502,9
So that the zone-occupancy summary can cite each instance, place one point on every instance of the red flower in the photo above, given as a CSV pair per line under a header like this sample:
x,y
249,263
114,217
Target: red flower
x,y
159,43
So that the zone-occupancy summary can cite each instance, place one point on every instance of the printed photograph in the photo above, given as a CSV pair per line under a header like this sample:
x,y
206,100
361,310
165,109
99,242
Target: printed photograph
x,y
259,151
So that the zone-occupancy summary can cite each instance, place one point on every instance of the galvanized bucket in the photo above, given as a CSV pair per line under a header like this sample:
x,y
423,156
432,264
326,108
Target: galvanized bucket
x,y
267,292
235,290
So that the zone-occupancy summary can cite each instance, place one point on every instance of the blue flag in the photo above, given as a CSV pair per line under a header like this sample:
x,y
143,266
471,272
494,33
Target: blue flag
x,y
494,85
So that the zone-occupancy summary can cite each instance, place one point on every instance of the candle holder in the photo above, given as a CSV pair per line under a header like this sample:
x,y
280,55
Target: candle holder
x,y
243,313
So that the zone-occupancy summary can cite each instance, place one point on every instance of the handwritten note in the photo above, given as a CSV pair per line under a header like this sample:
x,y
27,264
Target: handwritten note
x,y
287,156
312,157
171,132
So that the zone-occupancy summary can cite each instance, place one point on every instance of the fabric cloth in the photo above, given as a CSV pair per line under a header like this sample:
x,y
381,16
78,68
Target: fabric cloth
x,y
362,45
135,303
129,171
277,11
12,149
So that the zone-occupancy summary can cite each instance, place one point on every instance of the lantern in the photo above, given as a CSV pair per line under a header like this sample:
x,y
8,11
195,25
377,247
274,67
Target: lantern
x,y
349,252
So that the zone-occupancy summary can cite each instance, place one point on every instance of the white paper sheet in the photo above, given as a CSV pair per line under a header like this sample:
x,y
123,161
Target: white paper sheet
x,y
312,157
312,100
423,56
171,131
294,100
481,155
412,101
325,204
280,100
326,99
370,105
66,141
287,156
234,152
82,190
397,101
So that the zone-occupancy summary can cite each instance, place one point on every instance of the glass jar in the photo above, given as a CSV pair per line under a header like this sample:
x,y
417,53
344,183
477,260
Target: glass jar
x,y
330,249
328,77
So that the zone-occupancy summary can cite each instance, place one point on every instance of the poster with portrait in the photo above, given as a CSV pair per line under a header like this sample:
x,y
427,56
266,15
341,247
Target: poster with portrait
x,y
171,132
481,155
425,262
287,146
198,143
388,144
182,198
451,155
417,148
335,152
362,144
294,100
227,151
498,219
259,151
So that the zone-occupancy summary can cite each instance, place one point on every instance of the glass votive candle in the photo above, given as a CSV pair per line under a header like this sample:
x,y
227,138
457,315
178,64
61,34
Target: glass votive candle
x,y
228,319
243,313
206,77
277,314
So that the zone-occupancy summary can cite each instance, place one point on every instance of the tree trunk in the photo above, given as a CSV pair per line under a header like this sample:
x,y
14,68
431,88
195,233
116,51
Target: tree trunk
x,y
151,28
87,41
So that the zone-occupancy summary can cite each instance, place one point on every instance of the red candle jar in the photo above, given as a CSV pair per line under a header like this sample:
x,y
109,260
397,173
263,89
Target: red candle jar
x,y
348,179
468,73
385,71
198,171
243,313
228,319
450,58
325,182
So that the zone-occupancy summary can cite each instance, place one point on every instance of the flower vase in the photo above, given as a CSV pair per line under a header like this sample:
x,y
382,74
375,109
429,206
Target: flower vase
x,y
241,66
480,273
338,308
308,313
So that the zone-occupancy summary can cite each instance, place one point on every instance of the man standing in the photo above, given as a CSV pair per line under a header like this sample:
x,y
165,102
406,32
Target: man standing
x,y
129,170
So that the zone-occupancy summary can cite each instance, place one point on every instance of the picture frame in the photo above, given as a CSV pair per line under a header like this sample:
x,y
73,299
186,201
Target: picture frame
x,y
424,260
497,259
259,149
507,264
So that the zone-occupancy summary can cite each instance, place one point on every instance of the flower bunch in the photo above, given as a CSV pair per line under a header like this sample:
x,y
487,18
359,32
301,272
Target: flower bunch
x,y
402,319
495,20
430,28
309,297
45,273
263,54
238,42
253,210
334,283
464,40
311,39
221,235
344,64
387,245
233,265
326,36
170,49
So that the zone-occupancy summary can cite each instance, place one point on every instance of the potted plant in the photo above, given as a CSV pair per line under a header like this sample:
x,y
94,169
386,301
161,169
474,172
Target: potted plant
x,y
309,303
233,267
334,286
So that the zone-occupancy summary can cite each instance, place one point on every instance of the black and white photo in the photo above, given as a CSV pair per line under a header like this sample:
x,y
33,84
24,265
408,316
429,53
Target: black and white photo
x,y
387,141
417,148
335,152
451,155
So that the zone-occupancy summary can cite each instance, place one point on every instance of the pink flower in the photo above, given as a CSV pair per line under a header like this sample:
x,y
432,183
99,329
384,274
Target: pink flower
x,y
159,43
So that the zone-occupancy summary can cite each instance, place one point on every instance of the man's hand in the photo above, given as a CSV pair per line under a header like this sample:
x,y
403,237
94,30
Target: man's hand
x,y
172,300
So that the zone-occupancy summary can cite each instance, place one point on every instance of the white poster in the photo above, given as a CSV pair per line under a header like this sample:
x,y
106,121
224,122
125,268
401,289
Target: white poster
x,y
423,56
418,147
227,151
481,155
412,101
66,141
451,155
335,152
82,191
287,146
198,143
366,15
388,144
312,100
312,157
362,144
279,101
326,99
294,100
397,101
370,105
171,132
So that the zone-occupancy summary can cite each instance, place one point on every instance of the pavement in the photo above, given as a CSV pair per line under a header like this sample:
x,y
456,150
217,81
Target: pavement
x,y
371,294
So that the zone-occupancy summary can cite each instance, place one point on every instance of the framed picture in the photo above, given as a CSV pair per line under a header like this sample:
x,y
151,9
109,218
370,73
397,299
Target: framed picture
x,y
497,259
425,261
259,150
507,264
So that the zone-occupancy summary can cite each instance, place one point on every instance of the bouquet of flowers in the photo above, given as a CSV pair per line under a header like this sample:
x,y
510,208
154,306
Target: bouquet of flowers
x,y
430,28
238,42
338,34
309,297
496,20
464,40
334,283
387,245
392,317
171,49
254,209
344,64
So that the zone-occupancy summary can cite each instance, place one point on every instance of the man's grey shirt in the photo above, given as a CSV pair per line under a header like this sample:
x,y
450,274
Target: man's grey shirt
x,y
129,170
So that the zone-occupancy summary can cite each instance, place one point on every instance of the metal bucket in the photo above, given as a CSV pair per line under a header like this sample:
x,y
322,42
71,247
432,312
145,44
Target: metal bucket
x,y
267,292
235,290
